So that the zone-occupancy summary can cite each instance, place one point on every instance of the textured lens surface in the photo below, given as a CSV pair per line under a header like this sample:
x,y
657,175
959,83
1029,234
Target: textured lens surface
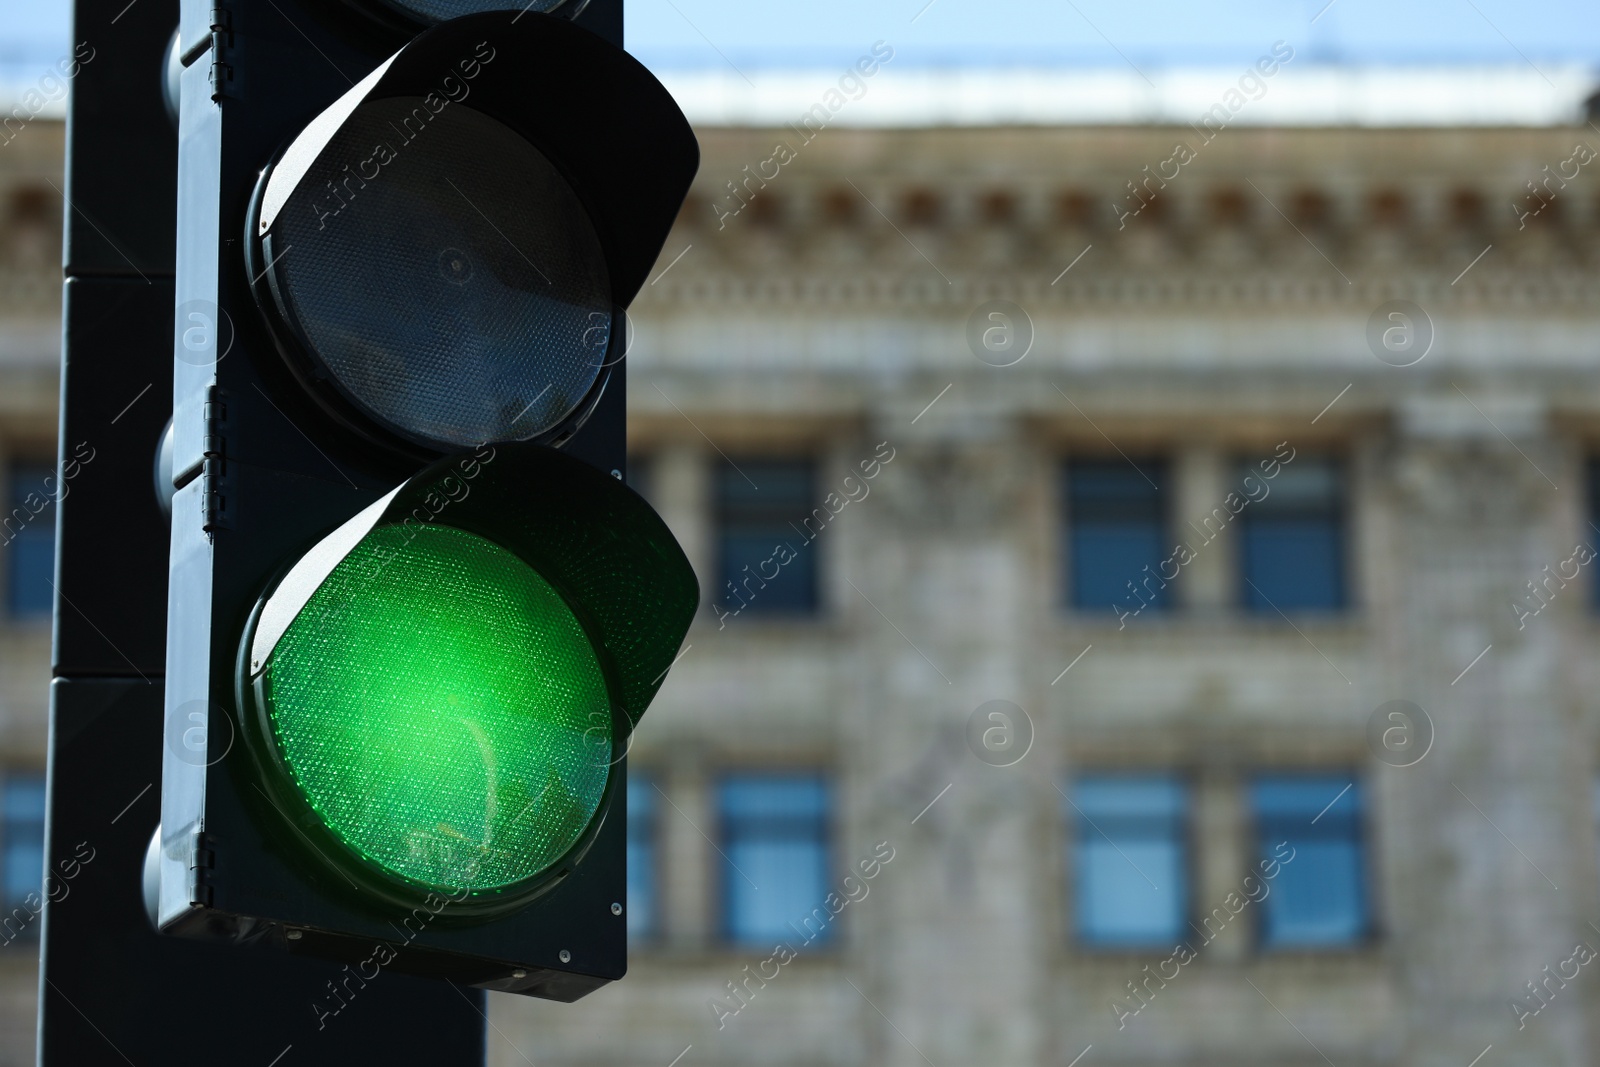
x,y
440,707
440,10
444,273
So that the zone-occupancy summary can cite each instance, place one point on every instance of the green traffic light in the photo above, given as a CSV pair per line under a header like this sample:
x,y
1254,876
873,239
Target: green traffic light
x,y
442,710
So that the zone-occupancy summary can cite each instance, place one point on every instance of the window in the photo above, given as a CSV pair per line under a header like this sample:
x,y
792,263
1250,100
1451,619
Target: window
x,y
1291,540
22,805
1311,826
1131,858
644,859
30,539
765,522
1116,528
775,844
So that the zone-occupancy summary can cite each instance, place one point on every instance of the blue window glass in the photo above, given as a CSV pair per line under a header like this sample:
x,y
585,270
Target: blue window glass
x,y
1116,527
774,832
760,506
30,541
1131,859
22,804
1292,539
1310,825
644,859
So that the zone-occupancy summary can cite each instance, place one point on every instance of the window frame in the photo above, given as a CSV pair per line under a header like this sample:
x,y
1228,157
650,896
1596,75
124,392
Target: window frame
x,y
1151,464
8,776
654,931
815,609
1370,933
1344,527
16,464
1186,839
720,895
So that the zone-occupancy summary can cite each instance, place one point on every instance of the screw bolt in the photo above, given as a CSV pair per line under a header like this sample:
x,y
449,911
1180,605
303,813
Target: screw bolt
x,y
564,956
617,475
295,935
519,973
616,909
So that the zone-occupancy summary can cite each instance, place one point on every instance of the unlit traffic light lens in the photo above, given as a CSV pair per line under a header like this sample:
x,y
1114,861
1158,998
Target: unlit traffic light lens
x,y
441,708
443,275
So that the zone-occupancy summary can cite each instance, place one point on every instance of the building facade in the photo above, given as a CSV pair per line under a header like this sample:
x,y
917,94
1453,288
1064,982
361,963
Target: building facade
x,y
1146,603
30,370
1170,481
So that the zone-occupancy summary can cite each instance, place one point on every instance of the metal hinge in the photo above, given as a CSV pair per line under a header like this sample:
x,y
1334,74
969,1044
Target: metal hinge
x,y
214,467
202,860
222,73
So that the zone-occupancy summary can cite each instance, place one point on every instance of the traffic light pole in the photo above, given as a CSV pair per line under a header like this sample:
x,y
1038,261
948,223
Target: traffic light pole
x,y
112,990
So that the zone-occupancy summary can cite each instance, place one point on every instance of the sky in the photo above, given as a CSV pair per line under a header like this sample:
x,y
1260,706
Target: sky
x,y
1161,33
764,34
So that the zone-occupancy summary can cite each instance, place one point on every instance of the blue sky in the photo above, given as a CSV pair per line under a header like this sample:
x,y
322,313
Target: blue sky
x,y
1093,32
765,33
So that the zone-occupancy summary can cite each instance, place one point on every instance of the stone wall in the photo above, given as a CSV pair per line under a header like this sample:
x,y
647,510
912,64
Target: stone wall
x,y
1229,314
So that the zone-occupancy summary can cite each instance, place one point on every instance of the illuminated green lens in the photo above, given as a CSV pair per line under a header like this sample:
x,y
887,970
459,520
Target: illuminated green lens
x,y
442,710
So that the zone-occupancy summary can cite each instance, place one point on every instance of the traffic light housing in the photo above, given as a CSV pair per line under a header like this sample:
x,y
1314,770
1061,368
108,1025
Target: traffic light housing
x,y
414,611
441,689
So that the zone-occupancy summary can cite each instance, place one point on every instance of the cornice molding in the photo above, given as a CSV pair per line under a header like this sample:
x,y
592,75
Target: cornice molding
x,y
1184,289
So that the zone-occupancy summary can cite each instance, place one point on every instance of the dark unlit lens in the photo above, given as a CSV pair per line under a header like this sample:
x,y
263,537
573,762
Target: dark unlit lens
x,y
444,275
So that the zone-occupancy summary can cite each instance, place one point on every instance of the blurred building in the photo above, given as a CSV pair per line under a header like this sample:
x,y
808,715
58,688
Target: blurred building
x,y
30,370
1069,516
1192,708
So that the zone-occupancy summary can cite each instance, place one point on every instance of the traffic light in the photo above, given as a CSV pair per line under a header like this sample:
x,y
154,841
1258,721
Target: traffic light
x,y
414,611
439,699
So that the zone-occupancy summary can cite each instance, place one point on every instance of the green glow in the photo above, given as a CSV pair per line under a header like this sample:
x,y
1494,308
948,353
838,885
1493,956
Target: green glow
x,y
442,710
